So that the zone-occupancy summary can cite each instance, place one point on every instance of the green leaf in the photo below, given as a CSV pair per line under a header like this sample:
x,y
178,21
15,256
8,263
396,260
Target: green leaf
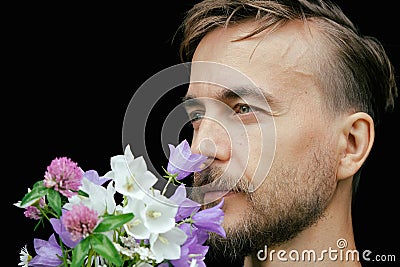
x,y
82,193
54,199
105,248
80,252
38,183
36,193
112,222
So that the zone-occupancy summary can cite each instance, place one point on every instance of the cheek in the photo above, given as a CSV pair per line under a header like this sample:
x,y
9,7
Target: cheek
x,y
255,152
297,140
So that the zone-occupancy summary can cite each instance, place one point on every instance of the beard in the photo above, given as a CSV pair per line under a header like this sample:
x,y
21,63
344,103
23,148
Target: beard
x,y
288,202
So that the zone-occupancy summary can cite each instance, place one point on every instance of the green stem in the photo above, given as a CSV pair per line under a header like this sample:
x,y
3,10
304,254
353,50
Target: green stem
x,y
170,179
89,260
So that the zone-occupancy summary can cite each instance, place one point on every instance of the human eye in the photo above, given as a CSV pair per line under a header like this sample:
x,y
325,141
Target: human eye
x,y
195,117
246,113
242,108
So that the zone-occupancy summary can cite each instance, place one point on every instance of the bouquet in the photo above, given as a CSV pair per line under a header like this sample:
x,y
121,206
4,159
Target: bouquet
x,y
120,218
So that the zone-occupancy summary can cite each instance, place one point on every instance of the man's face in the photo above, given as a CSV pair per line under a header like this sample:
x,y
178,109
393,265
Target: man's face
x,y
271,148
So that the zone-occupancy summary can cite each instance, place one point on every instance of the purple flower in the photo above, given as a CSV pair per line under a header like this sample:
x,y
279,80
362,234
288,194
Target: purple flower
x,y
64,176
192,249
32,212
47,253
80,221
189,251
94,177
182,161
62,232
186,206
193,232
210,219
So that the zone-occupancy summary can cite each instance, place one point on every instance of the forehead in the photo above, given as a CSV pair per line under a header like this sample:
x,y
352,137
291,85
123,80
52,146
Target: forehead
x,y
280,62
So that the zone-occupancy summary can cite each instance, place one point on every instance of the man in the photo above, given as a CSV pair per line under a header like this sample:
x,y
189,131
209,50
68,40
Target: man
x,y
284,100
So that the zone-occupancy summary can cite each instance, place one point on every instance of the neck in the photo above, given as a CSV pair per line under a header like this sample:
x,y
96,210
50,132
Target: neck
x,y
319,245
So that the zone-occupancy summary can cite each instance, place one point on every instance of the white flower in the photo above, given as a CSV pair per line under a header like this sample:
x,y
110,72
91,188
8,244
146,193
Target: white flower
x,y
131,175
154,214
152,236
24,257
159,213
145,254
167,245
136,226
100,199
128,241
123,250
131,249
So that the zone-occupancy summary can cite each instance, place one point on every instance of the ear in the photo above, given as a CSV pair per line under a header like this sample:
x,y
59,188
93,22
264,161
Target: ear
x,y
356,141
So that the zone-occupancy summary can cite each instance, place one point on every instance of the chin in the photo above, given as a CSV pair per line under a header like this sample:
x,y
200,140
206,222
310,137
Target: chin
x,y
235,207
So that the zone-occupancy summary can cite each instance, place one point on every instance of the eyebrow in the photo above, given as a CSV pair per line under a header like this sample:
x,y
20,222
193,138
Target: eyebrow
x,y
226,94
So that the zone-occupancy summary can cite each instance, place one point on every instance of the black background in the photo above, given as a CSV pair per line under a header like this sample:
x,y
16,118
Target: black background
x,y
70,71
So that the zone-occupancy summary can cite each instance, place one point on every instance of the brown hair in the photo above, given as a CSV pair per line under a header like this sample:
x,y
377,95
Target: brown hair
x,y
355,73
358,68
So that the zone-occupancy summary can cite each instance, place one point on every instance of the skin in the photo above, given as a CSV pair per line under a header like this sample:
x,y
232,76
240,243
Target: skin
x,y
298,158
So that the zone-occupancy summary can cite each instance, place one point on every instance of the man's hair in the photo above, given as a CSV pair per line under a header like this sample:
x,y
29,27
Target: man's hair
x,y
354,71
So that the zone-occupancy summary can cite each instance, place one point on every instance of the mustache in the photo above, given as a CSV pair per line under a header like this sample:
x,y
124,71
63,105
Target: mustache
x,y
216,179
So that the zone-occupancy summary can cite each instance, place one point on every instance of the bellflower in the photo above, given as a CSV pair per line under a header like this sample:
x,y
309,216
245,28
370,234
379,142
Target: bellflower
x,y
99,198
167,245
130,174
182,161
186,206
93,176
136,227
159,213
210,219
120,218
193,252
194,233
47,253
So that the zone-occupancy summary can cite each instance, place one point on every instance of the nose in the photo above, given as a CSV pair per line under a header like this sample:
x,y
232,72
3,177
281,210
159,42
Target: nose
x,y
212,139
